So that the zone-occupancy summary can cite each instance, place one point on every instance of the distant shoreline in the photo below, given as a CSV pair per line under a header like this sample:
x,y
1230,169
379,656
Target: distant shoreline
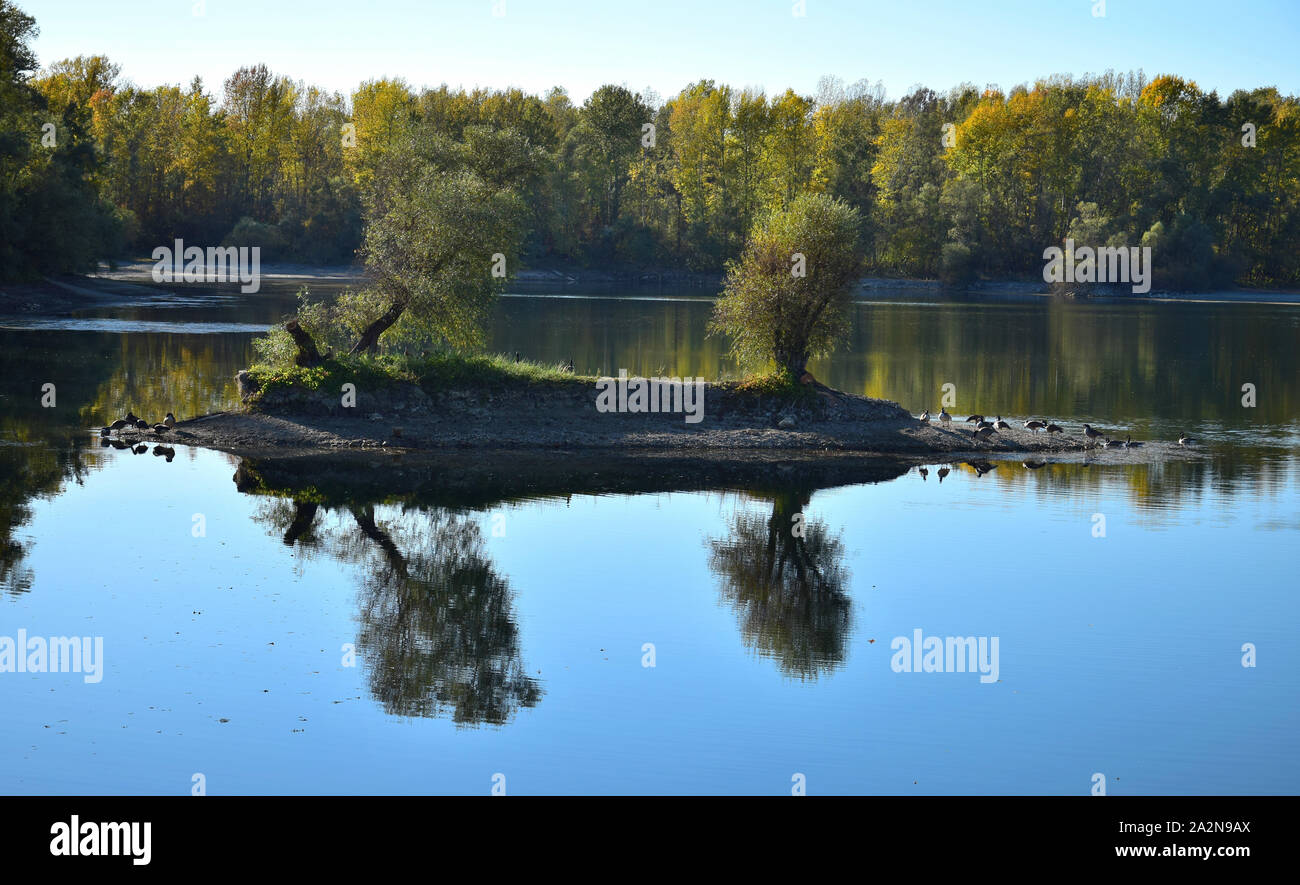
x,y
130,283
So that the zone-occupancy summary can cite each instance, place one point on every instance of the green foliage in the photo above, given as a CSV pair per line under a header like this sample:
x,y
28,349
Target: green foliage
x,y
267,237
51,218
956,266
778,384
440,246
787,298
436,371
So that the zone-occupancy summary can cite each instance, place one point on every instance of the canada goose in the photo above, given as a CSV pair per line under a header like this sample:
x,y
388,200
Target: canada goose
x,y
985,425
1129,444
117,425
1113,444
105,431
1033,465
1000,424
130,417
943,471
944,418
569,367
170,420
925,417
974,419
1185,440
924,473
161,428
982,433
141,424
516,356
1034,425
1091,433
1054,428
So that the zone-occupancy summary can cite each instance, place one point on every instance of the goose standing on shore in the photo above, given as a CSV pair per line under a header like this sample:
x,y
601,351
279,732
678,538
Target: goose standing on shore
x,y
1054,428
944,418
925,417
1034,425
1000,424
982,433
170,420
974,419
1091,433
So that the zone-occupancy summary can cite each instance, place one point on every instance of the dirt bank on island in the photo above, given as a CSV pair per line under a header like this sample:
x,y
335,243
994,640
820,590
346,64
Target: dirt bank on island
x,y
563,416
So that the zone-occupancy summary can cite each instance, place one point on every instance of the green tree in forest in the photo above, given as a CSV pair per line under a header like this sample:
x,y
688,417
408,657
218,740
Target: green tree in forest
x,y
610,133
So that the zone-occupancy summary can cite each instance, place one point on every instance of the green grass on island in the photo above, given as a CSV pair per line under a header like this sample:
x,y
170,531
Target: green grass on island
x,y
446,370
436,371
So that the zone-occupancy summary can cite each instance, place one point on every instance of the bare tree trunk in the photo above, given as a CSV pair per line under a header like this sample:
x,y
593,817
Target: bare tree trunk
x,y
307,354
369,339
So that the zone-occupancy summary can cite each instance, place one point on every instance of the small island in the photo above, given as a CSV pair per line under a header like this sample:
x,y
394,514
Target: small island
x,y
785,301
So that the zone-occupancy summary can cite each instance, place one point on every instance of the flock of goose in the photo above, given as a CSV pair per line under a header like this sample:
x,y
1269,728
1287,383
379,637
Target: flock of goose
x,y
985,429
131,422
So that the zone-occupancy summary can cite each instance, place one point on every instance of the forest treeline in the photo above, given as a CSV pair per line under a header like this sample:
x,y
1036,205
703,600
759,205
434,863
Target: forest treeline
x,y
959,185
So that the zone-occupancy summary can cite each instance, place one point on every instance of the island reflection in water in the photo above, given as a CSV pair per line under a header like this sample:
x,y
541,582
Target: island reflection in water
x,y
437,634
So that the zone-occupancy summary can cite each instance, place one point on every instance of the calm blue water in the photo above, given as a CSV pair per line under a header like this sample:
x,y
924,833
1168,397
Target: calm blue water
x,y
509,639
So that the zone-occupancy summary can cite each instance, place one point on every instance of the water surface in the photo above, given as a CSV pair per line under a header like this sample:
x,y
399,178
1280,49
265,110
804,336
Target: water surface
x,y
393,629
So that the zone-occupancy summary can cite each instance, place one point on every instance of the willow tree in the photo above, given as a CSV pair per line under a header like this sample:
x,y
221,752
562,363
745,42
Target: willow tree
x,y
787,299
433,254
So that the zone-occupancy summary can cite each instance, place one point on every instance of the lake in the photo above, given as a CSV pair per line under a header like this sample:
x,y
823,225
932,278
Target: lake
x,y
356,628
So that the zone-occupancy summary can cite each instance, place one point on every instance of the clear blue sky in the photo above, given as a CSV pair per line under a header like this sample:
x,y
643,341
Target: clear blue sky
x,y
665,44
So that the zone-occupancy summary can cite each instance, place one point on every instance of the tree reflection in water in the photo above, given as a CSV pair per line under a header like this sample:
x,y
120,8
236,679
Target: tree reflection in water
x,y
438,635
438,630
784,576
